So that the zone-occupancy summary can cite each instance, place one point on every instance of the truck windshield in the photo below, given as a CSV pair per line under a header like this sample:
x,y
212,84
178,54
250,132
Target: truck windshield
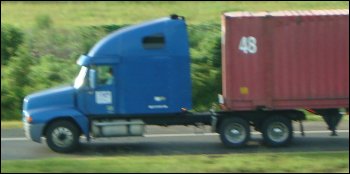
x,y
79,81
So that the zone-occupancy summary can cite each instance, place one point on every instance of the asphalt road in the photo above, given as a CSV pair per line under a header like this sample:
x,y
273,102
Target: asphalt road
x,y
176,140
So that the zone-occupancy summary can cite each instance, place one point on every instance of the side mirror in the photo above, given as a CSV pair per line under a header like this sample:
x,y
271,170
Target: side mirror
x,y
92,78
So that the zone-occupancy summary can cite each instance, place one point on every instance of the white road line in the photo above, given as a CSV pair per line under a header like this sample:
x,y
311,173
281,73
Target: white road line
x,y
14,139
189,135
253,133
180,135
315,132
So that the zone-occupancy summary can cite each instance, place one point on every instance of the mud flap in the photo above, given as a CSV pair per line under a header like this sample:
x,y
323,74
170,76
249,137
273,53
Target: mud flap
x,y
332,117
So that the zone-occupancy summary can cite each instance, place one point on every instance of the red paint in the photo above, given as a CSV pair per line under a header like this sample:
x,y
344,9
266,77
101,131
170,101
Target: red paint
x,y
301,61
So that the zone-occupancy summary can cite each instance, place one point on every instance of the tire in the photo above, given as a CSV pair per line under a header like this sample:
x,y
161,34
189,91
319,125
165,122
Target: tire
x,y
277,131
62,136
234,132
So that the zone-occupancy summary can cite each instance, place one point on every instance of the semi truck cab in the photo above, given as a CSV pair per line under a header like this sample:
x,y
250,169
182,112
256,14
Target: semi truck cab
x,y
139,70
150,66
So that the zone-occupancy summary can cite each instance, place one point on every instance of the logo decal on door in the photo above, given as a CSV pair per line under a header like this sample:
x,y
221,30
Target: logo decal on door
x,y
103,97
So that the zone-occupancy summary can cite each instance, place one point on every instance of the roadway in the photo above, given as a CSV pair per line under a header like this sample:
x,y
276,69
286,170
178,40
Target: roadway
x,y
176,140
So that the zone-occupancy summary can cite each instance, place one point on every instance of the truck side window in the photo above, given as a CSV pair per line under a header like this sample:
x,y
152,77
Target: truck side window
x,y
156,41
104,75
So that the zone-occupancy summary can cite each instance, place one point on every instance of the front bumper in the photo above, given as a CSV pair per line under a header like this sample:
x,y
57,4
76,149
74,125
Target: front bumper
x,y
33,131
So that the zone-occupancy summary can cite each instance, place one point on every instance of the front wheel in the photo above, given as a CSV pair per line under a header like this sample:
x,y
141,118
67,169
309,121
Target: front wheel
x,y
277,131
62,136
234,132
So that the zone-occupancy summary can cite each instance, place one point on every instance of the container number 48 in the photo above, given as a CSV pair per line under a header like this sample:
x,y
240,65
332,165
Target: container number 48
x,y
248,45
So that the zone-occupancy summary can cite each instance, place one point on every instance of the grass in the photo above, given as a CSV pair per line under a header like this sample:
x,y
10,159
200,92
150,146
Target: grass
x,y
275,162
312,117
73,14
11,124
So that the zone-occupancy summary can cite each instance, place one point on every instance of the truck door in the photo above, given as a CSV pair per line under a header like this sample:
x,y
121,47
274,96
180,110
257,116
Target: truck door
x,y
101,100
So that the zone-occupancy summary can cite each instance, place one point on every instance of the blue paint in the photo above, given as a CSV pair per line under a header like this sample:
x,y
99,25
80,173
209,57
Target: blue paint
x,y
142,74
151,73
52,104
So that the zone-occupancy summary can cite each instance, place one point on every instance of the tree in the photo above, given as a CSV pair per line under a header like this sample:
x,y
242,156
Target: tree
x,y
11,39
13,82
206,72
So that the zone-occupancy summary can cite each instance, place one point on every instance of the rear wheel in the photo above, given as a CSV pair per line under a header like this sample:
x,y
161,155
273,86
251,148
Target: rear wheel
x,y
277,131
62,136
234,132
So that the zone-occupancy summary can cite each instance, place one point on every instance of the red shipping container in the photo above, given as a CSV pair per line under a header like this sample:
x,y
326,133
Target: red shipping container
x,y
285,60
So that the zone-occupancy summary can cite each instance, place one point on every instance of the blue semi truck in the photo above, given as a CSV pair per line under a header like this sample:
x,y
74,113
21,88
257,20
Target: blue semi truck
x,y
138,76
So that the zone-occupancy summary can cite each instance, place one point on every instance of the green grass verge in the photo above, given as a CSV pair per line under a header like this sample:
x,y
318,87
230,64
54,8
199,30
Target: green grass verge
x,y
312,117
73,14
11,124
277,162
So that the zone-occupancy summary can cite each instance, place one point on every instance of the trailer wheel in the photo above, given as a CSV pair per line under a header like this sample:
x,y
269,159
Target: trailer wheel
x,y
234,132
277,131
62,136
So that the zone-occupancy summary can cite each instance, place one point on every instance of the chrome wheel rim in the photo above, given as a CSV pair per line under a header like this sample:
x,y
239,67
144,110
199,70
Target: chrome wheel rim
x,y
277,132
235,133
62,137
